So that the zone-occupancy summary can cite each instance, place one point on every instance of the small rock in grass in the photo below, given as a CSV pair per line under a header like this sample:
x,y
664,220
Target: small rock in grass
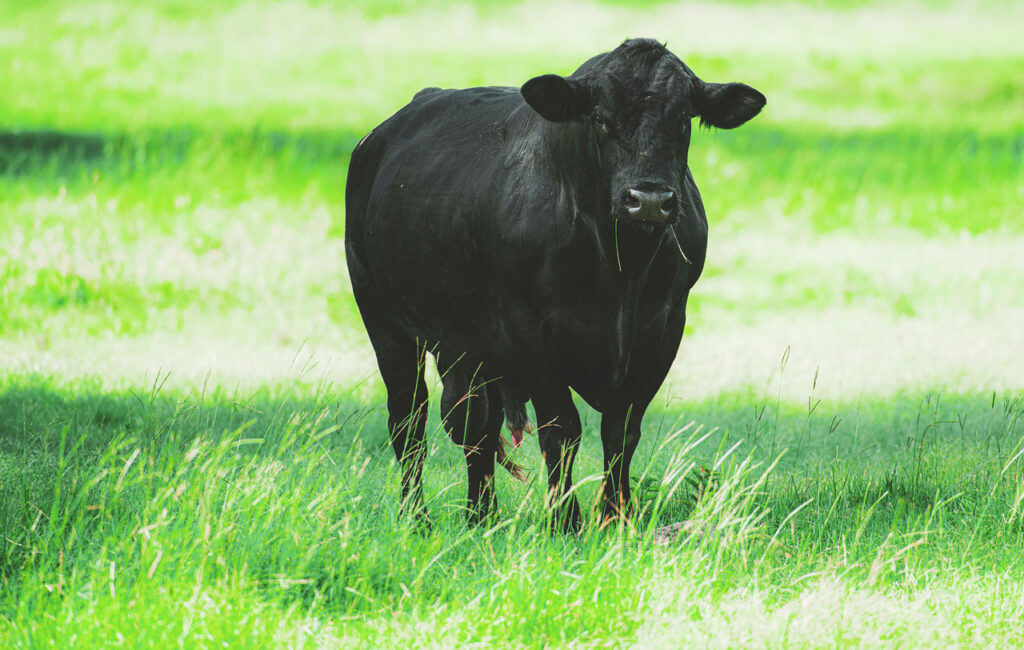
x,y
666,535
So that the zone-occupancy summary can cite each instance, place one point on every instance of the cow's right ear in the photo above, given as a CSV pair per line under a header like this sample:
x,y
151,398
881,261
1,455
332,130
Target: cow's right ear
x,y
556,98
727,106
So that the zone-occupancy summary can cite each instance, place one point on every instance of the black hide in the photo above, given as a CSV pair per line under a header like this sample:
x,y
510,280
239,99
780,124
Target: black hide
x,y
534,240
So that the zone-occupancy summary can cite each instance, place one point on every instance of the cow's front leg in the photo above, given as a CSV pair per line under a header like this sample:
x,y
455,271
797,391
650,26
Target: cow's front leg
x,y
620,433
559,432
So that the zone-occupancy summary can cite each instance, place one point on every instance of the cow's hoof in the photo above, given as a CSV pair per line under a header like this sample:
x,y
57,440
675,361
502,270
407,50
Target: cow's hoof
x,y
567,518
482,516
417,517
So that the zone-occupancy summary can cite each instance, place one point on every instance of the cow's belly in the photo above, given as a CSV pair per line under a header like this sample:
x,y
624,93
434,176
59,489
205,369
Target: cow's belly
x,y
462,320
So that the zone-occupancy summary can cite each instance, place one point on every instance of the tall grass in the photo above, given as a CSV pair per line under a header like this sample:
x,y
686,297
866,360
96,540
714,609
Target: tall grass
x,y
171,519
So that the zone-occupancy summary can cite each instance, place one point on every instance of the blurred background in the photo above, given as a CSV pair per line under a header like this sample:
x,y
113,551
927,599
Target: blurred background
x,y
172,177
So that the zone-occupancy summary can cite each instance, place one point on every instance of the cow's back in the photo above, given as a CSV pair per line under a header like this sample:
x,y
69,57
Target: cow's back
x,y
433,195
443,150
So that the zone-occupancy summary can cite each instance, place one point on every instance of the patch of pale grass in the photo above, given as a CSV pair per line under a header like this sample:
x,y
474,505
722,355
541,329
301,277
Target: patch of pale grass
x,y
205,616
702,27
261,245
291,31
849,353
963,30
869,315
678,610
830,612
230,351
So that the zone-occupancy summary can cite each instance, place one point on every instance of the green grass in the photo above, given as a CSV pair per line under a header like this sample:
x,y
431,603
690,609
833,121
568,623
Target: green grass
x,y
192,431
248,518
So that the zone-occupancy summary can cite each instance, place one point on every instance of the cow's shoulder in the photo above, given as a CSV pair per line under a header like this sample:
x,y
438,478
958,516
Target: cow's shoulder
x,y
460,103
463,119
426,92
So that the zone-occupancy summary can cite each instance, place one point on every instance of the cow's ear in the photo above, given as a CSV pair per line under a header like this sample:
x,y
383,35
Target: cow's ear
x,y
556,98
727,106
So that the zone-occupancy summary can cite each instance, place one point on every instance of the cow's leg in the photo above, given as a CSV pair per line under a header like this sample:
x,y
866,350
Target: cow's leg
x,y
401,360
480,465
471,409
559,432
620,433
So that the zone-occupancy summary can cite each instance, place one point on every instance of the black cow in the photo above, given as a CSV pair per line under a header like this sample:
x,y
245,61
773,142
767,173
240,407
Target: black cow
x,y
534,240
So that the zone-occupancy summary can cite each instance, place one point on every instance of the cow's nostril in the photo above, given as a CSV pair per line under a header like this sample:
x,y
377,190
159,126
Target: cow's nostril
x,y
668,207
632,199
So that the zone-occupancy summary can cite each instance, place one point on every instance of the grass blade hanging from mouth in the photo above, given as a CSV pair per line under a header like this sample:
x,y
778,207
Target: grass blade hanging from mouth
x,y
679,246
617,259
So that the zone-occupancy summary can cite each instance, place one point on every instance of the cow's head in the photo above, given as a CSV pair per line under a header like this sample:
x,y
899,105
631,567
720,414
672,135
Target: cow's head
x,y
635,105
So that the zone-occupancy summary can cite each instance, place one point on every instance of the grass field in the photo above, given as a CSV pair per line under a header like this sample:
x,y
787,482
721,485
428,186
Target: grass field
x,y
192,433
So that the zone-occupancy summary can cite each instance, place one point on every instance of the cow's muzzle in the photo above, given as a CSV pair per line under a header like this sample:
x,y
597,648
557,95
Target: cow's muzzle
x,y
654,207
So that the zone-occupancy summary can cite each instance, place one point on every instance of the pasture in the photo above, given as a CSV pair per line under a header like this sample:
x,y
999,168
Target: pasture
x,y
192,429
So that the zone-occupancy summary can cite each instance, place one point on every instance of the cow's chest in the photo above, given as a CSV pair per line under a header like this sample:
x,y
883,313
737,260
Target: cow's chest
x,y
595,339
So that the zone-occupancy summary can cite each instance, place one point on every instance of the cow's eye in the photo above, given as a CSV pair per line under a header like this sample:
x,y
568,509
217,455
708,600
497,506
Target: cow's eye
x,y
600,123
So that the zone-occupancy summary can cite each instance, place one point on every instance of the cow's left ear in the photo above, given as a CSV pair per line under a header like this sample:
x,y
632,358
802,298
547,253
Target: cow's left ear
x,y
556,98
727,106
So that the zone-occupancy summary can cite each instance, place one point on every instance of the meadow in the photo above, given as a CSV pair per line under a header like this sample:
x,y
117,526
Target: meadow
x,y
192,431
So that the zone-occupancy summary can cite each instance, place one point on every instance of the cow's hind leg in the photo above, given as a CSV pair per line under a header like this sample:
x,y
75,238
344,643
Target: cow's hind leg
x,y
471,408
401,360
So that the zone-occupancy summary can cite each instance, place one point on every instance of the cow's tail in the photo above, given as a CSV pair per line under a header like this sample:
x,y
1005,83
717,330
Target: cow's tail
x,y
517,422
512,468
